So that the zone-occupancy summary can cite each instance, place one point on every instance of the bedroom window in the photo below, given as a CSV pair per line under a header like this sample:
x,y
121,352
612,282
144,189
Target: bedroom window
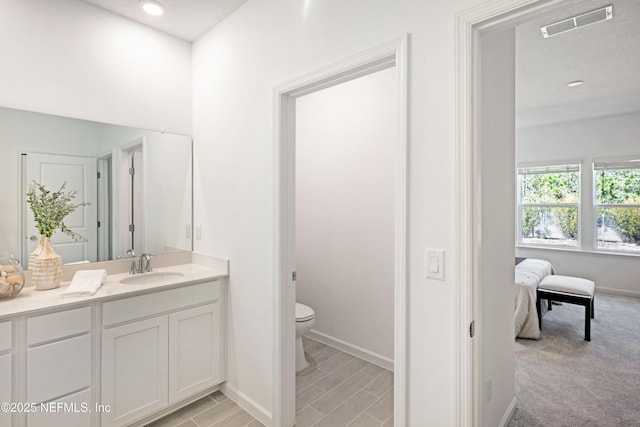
x,y
548,205
617,197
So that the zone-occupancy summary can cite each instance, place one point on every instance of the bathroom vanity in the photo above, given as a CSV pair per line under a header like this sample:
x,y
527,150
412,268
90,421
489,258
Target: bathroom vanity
x,y
126,355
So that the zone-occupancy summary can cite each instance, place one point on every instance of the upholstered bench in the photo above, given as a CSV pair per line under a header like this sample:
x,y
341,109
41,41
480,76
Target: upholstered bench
x,y
572,290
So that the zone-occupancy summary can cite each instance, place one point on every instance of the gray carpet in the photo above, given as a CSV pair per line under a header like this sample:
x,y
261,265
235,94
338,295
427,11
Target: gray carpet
x,y
562,380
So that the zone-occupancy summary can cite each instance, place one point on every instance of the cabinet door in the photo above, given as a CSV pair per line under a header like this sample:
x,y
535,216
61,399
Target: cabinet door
x,y
5,387
194,351
134,370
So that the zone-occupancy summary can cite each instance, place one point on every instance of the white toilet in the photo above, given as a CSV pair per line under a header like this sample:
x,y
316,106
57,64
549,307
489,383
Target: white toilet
x,y
305,318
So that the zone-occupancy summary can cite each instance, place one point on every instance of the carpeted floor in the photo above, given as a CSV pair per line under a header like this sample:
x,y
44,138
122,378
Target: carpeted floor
x,y
564,381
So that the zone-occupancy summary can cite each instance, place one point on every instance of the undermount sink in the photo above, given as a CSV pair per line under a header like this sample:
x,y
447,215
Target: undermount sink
x,y
153,277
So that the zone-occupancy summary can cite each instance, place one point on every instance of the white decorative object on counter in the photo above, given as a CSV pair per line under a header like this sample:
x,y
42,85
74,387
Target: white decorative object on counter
x,y
49,210
46,266
85,282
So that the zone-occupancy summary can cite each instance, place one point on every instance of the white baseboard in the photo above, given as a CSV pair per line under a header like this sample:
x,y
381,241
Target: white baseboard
x,y
245,402
618,291
506,418
354,350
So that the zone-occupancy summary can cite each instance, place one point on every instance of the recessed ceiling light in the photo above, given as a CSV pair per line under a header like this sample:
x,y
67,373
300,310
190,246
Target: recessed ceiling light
x,y
152,7
575,83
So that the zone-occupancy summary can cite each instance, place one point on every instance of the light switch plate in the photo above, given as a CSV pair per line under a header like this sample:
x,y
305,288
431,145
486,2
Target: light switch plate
x,y
435,264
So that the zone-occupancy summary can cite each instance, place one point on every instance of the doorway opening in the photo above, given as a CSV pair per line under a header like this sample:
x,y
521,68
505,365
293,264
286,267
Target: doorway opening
x,y
486,196
392,54
344,186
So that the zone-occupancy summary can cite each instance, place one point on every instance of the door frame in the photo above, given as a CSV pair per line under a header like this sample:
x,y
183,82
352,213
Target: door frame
x,y
493,15
392,53
121,186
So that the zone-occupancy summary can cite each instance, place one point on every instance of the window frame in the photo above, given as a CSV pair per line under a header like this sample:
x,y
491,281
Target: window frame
x,y
629,162
549,167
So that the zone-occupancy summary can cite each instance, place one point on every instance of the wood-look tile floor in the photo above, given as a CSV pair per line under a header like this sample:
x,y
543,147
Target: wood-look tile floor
x,y
340,390
215,410
335,390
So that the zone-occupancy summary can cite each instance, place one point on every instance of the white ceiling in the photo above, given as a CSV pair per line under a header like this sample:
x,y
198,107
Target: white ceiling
x,y
606,55
185,19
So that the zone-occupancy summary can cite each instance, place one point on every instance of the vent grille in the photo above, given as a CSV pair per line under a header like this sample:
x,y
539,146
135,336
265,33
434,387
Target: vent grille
x,y
578,21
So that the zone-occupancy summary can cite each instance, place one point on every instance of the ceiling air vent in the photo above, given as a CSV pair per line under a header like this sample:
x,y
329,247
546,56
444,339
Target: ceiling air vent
x,y
578,21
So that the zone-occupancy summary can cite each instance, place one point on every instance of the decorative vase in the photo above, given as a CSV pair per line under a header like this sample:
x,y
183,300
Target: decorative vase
x,y
45,265
11,276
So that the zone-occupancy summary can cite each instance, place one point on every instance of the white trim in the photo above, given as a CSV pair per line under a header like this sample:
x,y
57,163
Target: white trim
x,y
245,402
393,52
614,291
352,349
508,415
465,408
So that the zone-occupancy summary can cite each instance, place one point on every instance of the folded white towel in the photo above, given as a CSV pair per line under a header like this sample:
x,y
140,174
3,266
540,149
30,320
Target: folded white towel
x,y
85,282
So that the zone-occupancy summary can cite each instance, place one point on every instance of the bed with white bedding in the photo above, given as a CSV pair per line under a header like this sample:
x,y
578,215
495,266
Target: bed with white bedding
x,y
529,273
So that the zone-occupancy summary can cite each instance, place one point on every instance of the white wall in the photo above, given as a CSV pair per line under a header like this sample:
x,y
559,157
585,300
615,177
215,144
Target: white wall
x,y
345,145
71,58
496,155
168,192
585,141
236,67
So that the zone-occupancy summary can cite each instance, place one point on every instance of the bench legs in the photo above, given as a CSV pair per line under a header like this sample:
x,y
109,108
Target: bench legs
x,y
587,302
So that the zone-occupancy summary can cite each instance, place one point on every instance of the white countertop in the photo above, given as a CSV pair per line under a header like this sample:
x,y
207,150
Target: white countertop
x,y
30,299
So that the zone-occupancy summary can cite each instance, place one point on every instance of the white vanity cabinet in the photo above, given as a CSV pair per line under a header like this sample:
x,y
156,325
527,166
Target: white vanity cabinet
x,y
134,370
59,366
195,353
159,349
6,378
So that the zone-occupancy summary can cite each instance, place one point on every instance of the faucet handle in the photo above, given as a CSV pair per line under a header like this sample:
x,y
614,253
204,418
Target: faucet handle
x,y
145,262
128,256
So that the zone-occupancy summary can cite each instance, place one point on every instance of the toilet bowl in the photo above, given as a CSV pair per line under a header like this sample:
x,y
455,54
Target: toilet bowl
x,y
305,318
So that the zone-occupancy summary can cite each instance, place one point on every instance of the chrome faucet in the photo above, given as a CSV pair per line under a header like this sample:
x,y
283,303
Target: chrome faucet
x,y
132,255
140,265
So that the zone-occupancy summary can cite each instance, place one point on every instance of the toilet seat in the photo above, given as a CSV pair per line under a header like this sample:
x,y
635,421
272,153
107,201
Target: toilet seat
x,y
304,313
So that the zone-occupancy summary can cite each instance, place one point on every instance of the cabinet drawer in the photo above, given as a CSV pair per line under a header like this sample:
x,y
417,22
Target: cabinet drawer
x,y
5,336
71,411
58,368
127,309
49,327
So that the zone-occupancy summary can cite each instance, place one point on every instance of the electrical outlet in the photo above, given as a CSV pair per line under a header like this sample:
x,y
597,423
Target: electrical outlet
x,y
198,232
187,231
488,385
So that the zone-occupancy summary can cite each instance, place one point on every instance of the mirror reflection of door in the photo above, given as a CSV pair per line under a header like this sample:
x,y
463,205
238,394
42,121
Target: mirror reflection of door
x,y
133,175
105,208
52,170
137,205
